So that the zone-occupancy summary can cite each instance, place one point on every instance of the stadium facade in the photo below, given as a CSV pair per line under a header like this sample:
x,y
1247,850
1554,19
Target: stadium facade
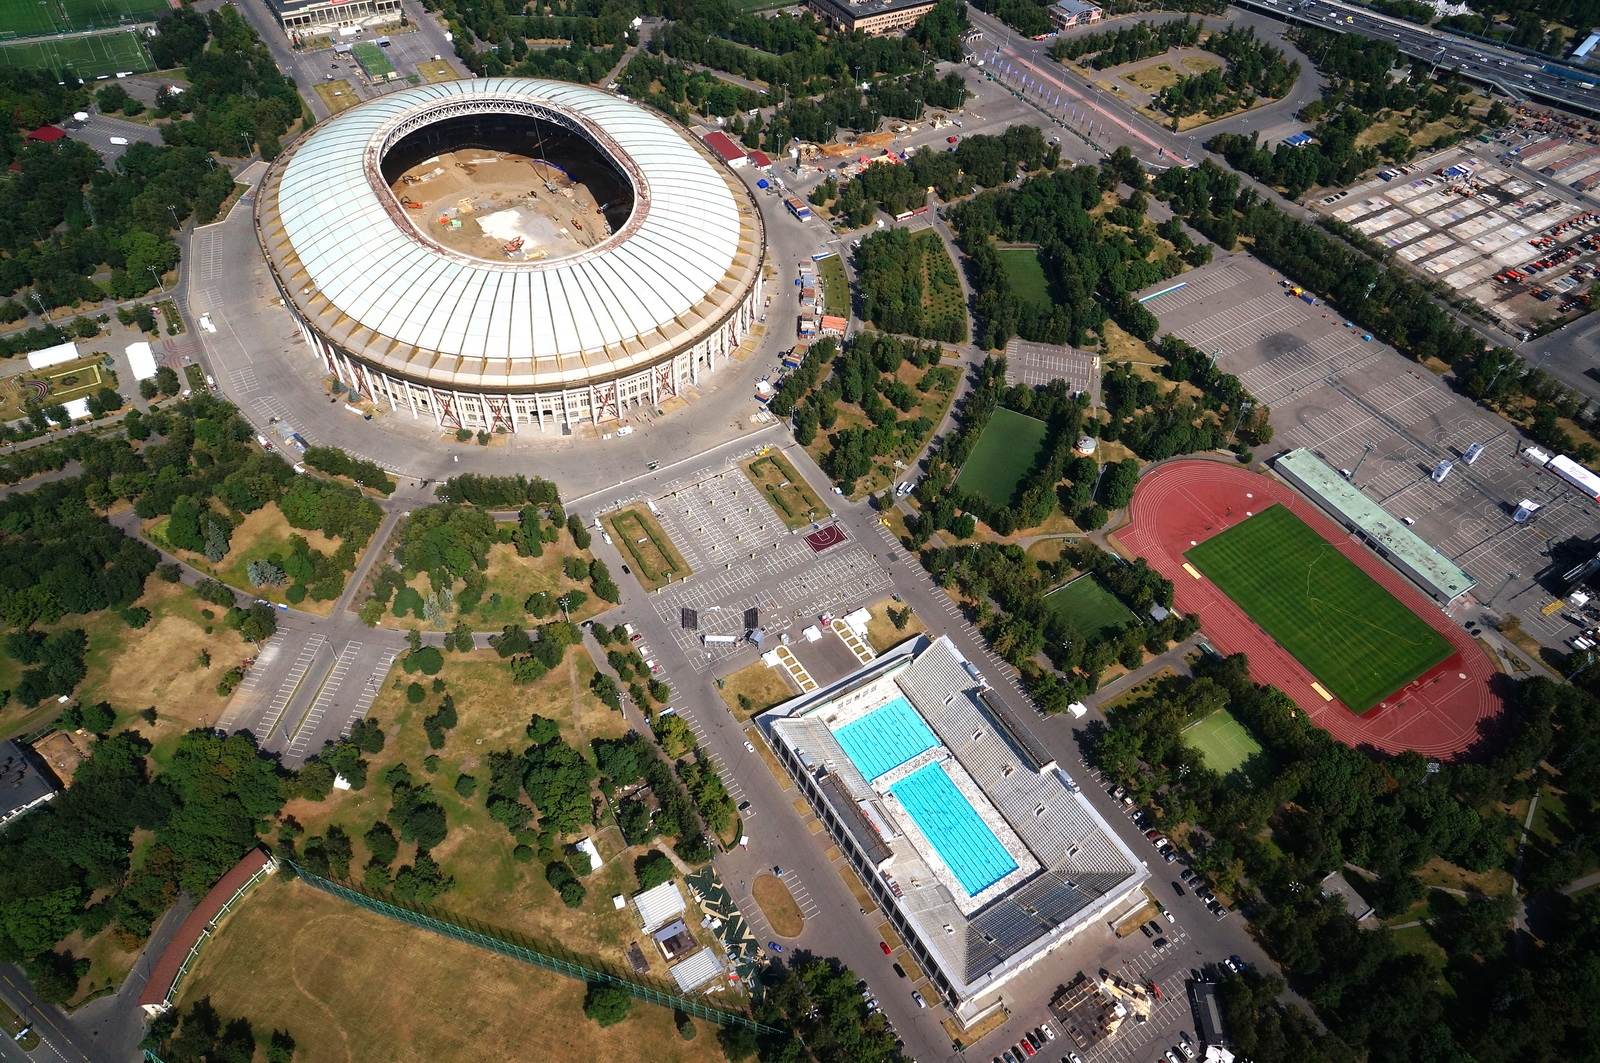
x,y
982,851
509,343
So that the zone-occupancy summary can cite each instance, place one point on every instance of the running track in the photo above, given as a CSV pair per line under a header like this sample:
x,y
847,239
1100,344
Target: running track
x,y
1443,713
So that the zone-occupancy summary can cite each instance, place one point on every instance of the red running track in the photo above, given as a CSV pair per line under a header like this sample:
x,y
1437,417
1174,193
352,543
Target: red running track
x,y
1443,713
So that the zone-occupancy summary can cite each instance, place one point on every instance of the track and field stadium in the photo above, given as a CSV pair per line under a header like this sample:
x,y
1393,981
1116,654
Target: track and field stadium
x,y
511,254
1440,708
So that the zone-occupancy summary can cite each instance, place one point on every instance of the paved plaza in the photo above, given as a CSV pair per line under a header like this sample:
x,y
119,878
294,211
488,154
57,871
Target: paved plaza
x,y
1361,406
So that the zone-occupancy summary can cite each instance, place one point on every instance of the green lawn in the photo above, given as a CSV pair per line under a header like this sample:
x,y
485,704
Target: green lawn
x,y
1223,741
86,57
1095,610
835,288
34,18
1003,457
1026,275
1354,636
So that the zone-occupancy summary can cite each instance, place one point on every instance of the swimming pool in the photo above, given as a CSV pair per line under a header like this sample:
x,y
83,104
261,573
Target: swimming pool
x,y
885,738
953,827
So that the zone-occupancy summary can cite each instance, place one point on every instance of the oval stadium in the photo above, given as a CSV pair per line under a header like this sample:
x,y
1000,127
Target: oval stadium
x,y
511,254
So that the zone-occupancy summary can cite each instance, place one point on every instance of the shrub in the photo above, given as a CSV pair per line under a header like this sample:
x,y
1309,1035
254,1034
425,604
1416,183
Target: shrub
x,y
466,785
415,693
297,594
607,1004
135,616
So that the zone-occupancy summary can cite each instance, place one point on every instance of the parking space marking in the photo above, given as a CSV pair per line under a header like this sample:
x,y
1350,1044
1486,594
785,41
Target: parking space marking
x,y
1217,280
370,690
325,699
287,689
802,896
1243,325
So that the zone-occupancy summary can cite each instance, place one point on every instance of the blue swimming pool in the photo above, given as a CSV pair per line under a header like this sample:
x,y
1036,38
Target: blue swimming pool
x,y
885,738
950,823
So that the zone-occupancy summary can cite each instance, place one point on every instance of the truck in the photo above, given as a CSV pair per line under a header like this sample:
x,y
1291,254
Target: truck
x,y
1308,297
718,640
797,207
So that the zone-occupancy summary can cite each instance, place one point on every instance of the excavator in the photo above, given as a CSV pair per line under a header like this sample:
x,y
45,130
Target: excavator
x,y
410,204
514,245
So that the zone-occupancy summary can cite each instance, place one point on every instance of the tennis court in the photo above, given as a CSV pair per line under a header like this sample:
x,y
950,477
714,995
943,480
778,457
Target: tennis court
x,y
1222,740
1004,456
88,57
1095,611
1337,621
36,18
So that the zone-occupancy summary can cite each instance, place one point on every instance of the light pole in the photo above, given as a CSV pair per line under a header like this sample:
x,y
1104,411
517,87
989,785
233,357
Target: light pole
x,y
42,311
157,276
176,223
248,151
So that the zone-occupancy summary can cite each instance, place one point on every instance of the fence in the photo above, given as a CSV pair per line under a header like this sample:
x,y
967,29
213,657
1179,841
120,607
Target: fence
x,y
519,947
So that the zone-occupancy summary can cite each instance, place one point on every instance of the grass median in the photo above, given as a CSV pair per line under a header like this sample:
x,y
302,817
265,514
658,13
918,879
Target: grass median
x,y
789,495
656,561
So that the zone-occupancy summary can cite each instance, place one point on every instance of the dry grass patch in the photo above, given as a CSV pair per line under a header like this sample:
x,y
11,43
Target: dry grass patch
x,y
435,71
1152,78
785,490
778,905
656,561
338,95
352,986
1440,872
763,687
109,963
882,633
262,533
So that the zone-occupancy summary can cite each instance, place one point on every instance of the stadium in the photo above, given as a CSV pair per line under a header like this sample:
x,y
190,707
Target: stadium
x,y
981,850
511,254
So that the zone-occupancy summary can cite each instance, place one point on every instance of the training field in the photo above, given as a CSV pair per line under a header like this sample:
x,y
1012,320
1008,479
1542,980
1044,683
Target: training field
x,y
36,18
1026,274
373,60
1354,636
87,57
1004,455
1222,740
1095,610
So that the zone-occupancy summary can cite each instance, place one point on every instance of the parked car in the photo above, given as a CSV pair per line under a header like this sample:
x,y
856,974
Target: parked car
x,y
1177,888
918,998
884,945
1144,928
898,970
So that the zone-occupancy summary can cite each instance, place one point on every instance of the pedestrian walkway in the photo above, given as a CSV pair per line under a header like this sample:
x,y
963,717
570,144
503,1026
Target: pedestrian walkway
x,y
796,671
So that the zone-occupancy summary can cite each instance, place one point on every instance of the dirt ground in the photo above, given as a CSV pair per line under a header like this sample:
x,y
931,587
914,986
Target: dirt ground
x,y
764,686
778,905
353,987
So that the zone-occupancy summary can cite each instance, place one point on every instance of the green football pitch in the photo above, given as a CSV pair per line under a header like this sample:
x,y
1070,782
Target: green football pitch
x,y
87,56
1222,741
1026,274
1354,636
1004,455
1095,610
373,60
37,18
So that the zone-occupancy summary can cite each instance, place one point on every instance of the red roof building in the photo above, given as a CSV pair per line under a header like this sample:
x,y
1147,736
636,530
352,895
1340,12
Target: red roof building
x,y
47,134
759,158
723,145
175,958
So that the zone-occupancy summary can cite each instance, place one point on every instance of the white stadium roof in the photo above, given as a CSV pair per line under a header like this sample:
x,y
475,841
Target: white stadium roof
x,y
377,287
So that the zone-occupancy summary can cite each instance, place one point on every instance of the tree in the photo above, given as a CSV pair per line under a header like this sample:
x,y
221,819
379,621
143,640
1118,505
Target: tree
x,y
652,869
607,1004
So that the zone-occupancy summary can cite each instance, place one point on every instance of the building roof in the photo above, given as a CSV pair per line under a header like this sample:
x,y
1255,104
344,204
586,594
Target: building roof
x,y
674,938
47,134
1438,574
1075,8
22,784
659,905
724,146
360,272
760,159
853,11
199,923
697,970
1209,1013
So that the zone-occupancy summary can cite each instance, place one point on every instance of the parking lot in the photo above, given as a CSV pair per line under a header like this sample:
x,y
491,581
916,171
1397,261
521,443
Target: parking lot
x,y
744,558
1524,249
1363,407
1038,364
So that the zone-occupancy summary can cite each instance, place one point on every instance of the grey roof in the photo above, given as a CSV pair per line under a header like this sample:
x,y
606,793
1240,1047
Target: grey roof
x,y
358,268
1070,863
697,970
1437,573
22,784
1073,7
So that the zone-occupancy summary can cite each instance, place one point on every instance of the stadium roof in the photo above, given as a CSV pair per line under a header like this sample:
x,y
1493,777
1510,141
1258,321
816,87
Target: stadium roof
x,y
376,285
1437,574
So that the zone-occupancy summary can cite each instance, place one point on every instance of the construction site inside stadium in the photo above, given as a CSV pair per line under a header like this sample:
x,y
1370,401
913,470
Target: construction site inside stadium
x,y
510,254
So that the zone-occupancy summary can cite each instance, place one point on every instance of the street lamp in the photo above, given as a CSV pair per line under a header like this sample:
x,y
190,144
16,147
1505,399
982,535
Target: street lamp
x,y
157,276
42,311
247,149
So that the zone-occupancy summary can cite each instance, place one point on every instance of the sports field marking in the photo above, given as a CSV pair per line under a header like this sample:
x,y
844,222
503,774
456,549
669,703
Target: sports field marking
x,y
1224,742
1320,690
1190,569
86,56
1350,633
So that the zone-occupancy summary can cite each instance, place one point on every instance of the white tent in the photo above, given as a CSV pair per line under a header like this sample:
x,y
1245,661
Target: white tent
x,y
61,352
76,408
697,970
660,905
141,360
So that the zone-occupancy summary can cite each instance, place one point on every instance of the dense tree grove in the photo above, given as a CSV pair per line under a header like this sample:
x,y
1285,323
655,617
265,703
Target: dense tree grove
x,y
1127,44
1254,69
198,1034
1308,805
204,810
820,1000
906,281
635,778
1093,262
64,216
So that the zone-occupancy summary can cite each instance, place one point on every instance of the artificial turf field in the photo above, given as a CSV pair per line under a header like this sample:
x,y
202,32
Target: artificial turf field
x,y
1004,455
88,56
1354,636
33,18
1095,610
1026,274
1222,741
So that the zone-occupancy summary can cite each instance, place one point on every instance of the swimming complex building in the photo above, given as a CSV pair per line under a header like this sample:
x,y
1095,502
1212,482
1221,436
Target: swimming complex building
x,y
978,846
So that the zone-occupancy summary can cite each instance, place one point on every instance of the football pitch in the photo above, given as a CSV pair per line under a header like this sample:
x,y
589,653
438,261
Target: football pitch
x,y
1222,740
1095,611
1004,455
36,18
87,56
1026,274
1354,636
